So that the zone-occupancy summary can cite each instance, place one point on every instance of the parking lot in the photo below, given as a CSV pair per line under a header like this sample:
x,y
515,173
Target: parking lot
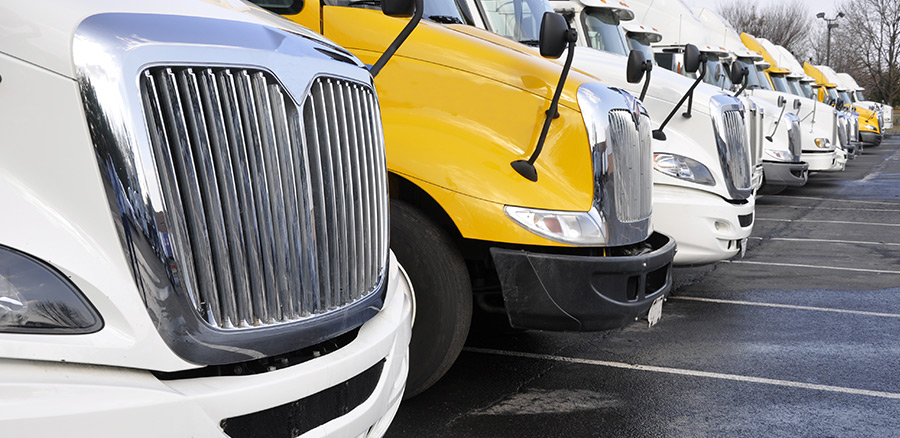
x,y
800,337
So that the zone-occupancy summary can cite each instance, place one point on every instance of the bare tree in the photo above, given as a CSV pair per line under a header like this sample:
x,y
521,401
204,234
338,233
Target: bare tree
x,y
786,23
868,46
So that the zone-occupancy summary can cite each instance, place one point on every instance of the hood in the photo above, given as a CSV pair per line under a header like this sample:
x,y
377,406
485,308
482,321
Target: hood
x,y
42,33
677,23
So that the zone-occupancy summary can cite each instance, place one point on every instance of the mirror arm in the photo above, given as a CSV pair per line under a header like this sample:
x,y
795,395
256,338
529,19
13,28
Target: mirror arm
x,y
658,133
702,74
648,68
777,122
417,16
526,167
743,87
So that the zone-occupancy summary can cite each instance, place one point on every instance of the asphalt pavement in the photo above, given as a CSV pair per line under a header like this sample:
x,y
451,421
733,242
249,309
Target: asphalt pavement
x,y
801,337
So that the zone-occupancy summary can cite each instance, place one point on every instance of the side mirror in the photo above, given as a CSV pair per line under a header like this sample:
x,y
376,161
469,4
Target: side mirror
x,y
398,8
554,35
738,72
796,104
781,101
637,65
692,58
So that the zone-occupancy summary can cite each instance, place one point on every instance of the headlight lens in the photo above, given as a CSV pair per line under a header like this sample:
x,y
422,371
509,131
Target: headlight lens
x,y
780,155
36,299
870,127
823,143
683,168
571,227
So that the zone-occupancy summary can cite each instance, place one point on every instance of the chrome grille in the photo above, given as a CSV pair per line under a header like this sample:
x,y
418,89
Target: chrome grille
x,y
736,163
854,128
632,161
277,211
880,121
795,144
843,129
756,133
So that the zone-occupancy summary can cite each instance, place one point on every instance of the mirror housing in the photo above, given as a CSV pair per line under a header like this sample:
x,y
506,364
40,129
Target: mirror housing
x,y
738,72
781,101
637,65
554,36
692,58
398,8
797,104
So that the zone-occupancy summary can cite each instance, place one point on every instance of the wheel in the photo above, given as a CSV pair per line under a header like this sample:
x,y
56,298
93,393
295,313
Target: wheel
x,y
443,295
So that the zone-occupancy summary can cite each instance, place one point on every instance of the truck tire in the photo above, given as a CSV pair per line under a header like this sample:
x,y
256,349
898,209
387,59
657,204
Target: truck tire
x,y
443,295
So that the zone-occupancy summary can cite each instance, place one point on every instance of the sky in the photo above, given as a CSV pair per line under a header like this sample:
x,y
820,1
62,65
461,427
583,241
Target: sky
x,y
815,6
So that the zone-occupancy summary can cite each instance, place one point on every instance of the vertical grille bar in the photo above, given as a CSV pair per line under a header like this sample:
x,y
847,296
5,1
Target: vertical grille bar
x,y
277,211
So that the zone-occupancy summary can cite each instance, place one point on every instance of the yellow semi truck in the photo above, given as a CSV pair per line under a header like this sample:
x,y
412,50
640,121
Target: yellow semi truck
x,y
869,126
566,247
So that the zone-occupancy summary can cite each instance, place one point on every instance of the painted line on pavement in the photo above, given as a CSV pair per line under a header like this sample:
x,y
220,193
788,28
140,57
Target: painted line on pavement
x,y
796,265
785,306
825,222
799,239
810,207
855,201
688,372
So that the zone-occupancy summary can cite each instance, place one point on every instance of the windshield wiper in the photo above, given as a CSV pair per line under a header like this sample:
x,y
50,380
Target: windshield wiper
x,y
365,2
443,19
534,43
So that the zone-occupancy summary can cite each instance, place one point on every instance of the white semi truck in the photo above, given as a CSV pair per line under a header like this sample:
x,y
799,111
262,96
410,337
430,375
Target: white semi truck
x,y
819,123
165,265
857,97
702,183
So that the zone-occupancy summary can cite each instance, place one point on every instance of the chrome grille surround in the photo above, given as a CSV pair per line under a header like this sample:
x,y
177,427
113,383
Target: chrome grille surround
x,y
843,130
148,204
631,152
618,130
273,227
731,140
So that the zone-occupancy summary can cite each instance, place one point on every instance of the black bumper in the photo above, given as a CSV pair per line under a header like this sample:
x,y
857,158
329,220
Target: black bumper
x,y
870,138
582,293
783,175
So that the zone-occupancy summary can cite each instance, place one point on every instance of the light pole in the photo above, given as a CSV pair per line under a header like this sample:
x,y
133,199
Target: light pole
x,y
831,25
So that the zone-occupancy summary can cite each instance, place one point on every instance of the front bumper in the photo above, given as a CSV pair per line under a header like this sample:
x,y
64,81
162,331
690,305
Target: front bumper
x,y
65,399
820,161
869,138
780,175
582,293
706,227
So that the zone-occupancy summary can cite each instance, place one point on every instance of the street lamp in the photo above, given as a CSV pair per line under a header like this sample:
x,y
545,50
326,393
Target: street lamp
x,y
831,25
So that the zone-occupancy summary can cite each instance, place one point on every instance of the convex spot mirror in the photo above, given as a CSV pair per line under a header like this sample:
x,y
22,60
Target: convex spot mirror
x,y
781,101
738,72
555,35
637,66
797,104
398,8
692,59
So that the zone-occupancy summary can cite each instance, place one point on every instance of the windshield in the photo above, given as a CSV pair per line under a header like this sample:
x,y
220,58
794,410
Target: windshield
x,y
752,79
794,83
845,98
640,43
601,29
441,11
832,93
761,76
716,74
519,20
780,83
807,90
859,96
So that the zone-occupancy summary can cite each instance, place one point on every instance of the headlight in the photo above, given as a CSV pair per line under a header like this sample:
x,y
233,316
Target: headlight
x,y
34,298
870,127
571,227
780,155
823,143
683,168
